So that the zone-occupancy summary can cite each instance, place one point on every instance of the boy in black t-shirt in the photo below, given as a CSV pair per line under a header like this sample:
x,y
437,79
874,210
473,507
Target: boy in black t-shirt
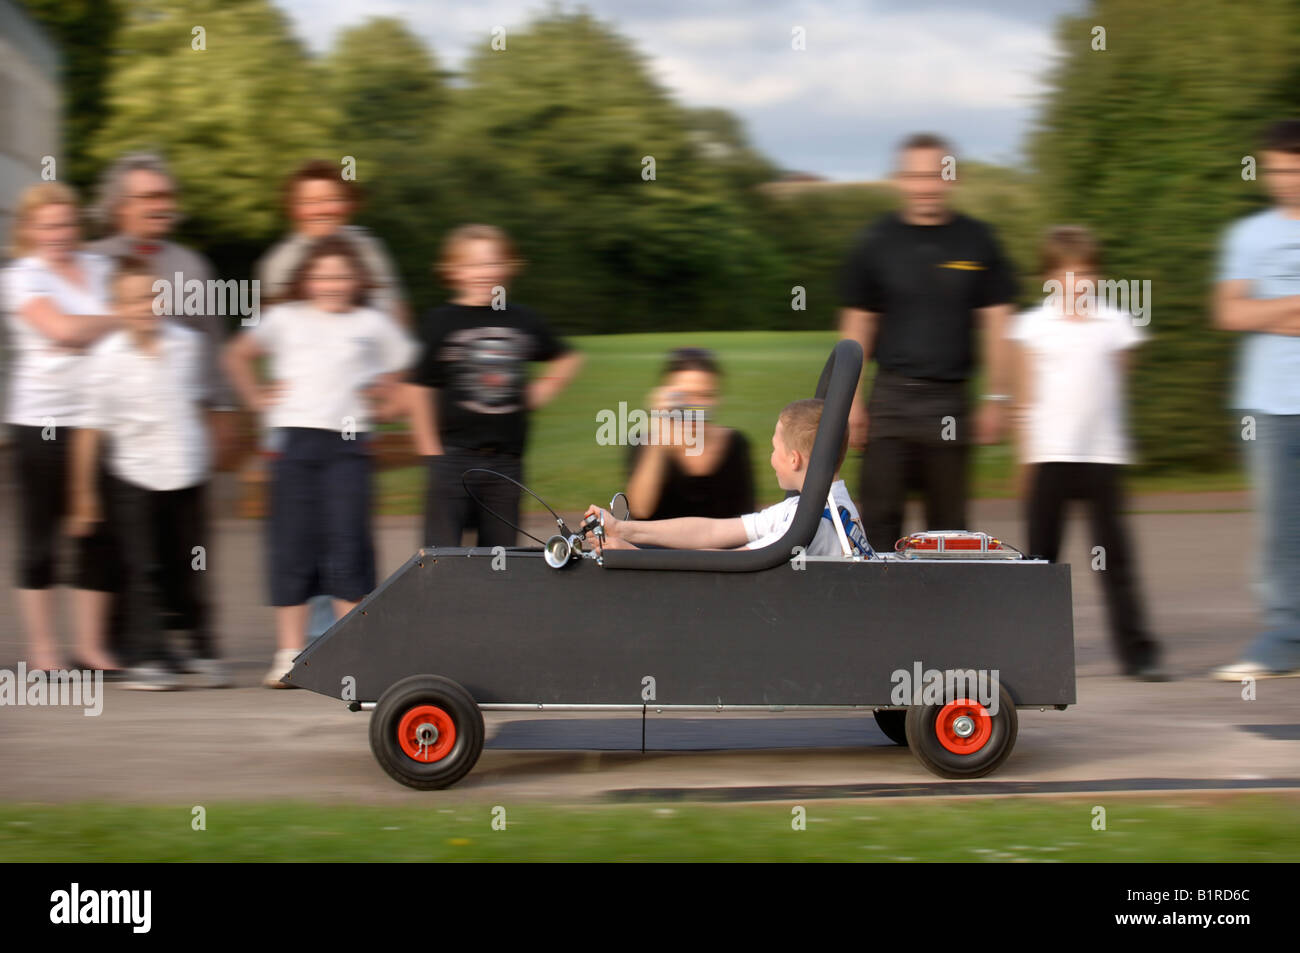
x,y
475,395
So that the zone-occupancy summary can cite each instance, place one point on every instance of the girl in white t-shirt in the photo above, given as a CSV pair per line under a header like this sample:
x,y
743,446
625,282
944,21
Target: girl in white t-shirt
x,y
56,305
329,360
1072,361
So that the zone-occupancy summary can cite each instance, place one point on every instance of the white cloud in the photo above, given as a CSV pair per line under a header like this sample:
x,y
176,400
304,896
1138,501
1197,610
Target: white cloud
x,y
873,62
892,62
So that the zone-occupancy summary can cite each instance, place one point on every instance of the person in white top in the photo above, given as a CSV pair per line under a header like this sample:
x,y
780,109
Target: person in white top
x,y
1071,363
146,393
319,203
329,356
56,305
792,443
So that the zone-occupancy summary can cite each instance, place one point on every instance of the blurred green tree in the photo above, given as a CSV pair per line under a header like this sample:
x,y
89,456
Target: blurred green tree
x,y
630,221
232,118
1143,141
391,96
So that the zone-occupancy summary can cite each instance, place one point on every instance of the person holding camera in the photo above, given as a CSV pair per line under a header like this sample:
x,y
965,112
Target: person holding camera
x,y
696,467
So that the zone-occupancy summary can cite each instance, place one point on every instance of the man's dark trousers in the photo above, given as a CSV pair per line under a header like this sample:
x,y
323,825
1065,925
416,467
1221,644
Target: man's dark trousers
x,y
917,439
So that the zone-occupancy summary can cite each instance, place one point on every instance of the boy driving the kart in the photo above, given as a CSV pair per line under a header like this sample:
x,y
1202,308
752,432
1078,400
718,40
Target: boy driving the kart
x,y
792,443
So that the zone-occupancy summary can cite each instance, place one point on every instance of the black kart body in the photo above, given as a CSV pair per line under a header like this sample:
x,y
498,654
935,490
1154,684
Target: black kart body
x,y
455,630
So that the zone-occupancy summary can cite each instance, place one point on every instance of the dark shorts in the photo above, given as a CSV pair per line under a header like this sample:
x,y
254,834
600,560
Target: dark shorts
x,y
42,470
319,534
449,510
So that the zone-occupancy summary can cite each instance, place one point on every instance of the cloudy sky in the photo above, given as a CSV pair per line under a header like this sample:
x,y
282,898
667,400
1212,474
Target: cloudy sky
x,y
872,70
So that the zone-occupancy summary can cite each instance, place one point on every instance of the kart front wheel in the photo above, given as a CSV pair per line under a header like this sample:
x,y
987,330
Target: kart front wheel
x,y
963,739
893,723
426,732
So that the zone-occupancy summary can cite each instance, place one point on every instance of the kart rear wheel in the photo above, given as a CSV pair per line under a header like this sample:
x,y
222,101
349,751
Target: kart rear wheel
x,y
426,732
962,739
893,722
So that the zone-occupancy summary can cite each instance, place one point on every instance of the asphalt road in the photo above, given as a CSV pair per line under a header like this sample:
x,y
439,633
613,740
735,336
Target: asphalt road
x,y
248,743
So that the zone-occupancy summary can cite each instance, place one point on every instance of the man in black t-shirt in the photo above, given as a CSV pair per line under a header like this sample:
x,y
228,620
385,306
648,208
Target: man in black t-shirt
x,y
912,290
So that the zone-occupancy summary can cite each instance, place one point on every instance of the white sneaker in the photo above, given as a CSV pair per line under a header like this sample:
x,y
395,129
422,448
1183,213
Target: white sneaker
x,y
212,672
1239,670
150,677
280,667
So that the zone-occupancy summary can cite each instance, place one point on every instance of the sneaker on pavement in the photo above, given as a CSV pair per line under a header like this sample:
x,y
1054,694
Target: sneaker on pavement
x,y
1239,670
280,667
212,672
150,677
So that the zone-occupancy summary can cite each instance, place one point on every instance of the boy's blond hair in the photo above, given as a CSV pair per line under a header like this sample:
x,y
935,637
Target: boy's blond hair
x,y
472,233
799,421
33,199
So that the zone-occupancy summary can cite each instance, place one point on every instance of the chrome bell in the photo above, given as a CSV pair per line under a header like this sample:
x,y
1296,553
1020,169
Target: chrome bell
x,y
560,550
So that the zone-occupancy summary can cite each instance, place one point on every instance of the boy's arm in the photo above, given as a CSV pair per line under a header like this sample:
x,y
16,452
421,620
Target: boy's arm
x,y
83,464
84,508
237,360
686,532
860,326
423,404
555,376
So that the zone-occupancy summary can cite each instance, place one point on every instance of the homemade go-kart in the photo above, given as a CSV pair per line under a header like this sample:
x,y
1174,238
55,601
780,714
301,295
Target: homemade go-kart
x,y
943,640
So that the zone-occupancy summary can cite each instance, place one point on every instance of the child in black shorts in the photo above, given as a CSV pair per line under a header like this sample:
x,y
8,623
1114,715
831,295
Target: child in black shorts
x,y
475,395
329,354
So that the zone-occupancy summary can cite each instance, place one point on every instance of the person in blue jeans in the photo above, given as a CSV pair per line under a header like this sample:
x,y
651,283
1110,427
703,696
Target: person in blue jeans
x,y
1258,293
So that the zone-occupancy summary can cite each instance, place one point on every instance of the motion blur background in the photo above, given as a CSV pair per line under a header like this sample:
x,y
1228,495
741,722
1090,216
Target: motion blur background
x,y
767,157
772,128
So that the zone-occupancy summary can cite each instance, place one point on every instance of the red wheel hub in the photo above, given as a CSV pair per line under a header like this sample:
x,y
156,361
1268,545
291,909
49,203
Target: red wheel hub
x,y
426,733
963,726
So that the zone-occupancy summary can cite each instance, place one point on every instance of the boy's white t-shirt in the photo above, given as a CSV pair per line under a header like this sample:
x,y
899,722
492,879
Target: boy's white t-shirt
x,y
768,525
1076,414
324,360
151,407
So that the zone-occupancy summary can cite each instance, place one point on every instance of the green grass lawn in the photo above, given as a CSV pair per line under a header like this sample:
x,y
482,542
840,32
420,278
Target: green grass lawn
x,y
764,371
1175,827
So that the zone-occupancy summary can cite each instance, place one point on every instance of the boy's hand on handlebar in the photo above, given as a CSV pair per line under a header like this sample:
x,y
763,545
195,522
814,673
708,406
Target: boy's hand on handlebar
x,y
613,535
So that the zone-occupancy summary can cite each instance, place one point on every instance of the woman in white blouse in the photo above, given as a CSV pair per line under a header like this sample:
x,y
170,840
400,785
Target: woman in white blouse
x,y
56,304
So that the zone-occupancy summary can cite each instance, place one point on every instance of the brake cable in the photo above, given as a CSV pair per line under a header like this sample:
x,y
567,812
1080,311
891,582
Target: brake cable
x,y
470,493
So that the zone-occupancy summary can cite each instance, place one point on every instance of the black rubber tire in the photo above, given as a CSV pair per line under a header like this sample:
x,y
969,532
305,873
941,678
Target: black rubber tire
x,y
426,690
925,744
893,722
